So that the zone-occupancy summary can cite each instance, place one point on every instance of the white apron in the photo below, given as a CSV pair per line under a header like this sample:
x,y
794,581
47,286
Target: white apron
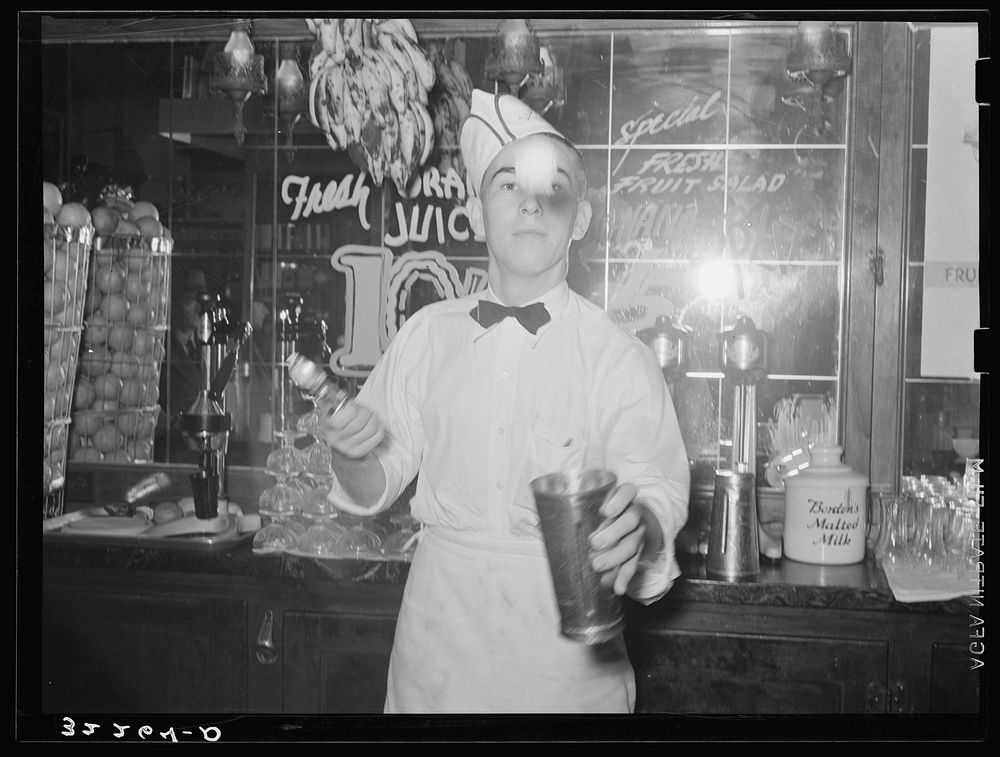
x,y
478,632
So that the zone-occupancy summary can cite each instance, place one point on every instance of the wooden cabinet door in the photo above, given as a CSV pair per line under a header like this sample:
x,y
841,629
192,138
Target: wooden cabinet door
x,y
336,662
708,673
954,686
121,648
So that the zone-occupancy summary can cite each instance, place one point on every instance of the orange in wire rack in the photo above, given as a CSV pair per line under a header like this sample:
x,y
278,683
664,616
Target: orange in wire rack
x,y
73,214
51,198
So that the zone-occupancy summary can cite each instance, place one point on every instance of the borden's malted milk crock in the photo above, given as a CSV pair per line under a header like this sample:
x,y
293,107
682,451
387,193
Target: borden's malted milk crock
x,y
826,511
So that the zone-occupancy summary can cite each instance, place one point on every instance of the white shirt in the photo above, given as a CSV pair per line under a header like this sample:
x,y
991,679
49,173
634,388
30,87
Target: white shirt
x,y
479,413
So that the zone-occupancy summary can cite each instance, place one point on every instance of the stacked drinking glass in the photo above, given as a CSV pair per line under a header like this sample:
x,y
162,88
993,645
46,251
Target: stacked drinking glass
x,y
929,525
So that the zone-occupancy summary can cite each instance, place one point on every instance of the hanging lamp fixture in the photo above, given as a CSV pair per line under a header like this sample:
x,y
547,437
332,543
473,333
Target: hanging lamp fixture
x,y
291,92
817,53
238,72
545,91
514,54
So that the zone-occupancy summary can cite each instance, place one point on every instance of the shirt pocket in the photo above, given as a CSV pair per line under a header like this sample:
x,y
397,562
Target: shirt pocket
x,y
556,446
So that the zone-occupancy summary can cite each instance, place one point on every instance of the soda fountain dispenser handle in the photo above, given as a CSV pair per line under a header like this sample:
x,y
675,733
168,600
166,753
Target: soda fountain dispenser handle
x,y
226,369
204,336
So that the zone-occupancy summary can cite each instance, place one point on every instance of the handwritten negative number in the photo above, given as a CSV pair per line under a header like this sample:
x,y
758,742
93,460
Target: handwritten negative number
x,y
211,733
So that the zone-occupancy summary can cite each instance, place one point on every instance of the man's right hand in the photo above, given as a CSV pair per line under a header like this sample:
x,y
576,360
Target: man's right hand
x,y
353,431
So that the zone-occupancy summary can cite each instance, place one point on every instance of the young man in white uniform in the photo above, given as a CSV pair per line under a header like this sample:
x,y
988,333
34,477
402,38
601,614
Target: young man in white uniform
x,y
480,408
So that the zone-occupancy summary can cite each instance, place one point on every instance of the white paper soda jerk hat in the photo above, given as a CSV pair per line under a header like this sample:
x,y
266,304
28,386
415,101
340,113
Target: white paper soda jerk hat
x,y
496,120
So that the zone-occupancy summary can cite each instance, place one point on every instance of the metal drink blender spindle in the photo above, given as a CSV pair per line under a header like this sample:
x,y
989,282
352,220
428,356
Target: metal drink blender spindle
x,y
733,550
743,358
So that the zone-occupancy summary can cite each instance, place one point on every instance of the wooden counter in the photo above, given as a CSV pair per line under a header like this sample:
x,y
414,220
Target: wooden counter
x,y
130,630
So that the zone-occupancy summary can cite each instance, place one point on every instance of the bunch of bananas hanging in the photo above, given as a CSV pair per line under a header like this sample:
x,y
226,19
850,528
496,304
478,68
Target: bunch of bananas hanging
x,y
368,94
451,100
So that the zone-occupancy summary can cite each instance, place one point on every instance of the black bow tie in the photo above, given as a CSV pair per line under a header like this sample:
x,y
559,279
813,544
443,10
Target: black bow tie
x,y
532,316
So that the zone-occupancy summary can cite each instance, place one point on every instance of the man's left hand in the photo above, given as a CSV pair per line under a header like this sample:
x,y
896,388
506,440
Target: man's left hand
x,y
623,539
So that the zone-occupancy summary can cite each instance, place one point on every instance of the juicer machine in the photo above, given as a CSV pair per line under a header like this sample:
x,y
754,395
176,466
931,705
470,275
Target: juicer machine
x,y
206,424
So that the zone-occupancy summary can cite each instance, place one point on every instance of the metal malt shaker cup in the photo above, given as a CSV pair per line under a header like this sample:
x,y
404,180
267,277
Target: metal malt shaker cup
x,y
568,506
733,550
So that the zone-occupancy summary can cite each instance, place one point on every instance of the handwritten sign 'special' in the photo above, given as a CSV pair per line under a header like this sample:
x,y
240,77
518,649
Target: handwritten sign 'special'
x,y
652,123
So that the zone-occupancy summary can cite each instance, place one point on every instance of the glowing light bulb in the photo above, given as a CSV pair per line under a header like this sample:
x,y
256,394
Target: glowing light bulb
x,y
239,47
717,279
289,75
